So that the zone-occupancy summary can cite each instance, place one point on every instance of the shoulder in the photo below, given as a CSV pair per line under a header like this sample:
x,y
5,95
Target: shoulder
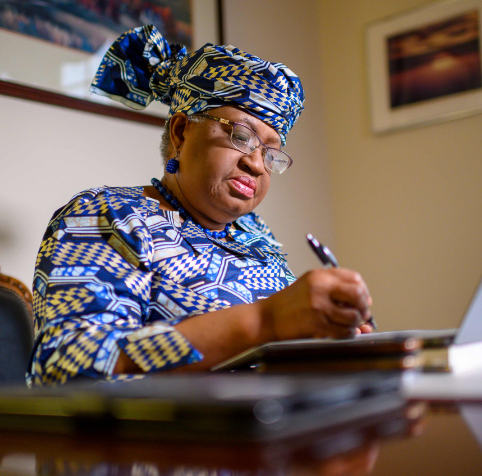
x,y
106,200
106,218
114,196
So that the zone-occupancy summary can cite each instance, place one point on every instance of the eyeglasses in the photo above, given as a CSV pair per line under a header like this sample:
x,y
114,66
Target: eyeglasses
x,y
247,141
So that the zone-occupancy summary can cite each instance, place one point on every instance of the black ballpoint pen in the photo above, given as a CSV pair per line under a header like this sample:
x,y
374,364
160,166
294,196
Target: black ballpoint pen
x,y
329,261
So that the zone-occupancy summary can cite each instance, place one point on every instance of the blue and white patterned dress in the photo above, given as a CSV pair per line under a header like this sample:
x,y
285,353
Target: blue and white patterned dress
x,y
114,271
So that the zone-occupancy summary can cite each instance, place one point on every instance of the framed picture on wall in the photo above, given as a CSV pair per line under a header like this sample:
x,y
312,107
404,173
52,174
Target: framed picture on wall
x,y
50,50
424,66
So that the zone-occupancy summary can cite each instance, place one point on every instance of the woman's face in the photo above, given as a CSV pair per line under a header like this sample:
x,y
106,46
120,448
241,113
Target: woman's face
x,y
218,182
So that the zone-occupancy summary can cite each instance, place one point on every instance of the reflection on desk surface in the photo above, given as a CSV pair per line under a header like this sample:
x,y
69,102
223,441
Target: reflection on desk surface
x,y
204,407
403,441
447,446
444,439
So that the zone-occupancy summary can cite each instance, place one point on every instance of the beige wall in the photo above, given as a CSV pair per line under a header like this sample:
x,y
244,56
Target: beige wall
x,y
407,205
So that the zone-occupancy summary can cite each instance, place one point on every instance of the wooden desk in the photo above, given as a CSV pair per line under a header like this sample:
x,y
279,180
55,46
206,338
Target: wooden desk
x,y
437,443
419,438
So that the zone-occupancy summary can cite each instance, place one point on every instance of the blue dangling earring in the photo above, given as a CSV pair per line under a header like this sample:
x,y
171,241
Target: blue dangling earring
x,y
172,165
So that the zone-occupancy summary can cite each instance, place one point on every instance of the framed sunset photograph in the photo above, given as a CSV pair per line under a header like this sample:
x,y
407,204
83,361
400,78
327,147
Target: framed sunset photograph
x,y
424,66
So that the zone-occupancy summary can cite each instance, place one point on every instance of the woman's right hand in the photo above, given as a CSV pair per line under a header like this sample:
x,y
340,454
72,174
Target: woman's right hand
x,y
321,303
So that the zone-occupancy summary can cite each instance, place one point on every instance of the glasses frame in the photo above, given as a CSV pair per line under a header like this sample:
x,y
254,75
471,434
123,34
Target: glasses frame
x,y
265,148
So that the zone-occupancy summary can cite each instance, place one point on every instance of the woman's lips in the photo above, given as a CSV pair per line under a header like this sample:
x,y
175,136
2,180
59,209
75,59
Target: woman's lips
x,y
245,185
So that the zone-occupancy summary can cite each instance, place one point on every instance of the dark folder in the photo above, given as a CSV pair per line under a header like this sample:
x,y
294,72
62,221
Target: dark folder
x,y
381,351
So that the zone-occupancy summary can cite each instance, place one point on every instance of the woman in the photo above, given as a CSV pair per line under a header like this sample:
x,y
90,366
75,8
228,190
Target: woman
x,y
183,274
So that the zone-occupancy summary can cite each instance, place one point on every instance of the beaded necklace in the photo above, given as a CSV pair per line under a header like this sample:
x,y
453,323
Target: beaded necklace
x,y
170,199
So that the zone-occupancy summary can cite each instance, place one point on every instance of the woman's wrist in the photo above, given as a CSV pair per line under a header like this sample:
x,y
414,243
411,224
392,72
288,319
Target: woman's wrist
x,y
125,365
262,322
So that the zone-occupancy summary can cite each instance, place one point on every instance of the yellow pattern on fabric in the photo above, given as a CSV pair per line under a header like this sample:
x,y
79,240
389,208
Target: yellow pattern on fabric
x,y
87,254
46,249
90,208
138,283
38,308
183,268
158,350
64,302
123,250
80,353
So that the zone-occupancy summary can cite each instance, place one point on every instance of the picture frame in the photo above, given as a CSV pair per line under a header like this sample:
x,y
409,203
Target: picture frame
x,y
424,65
39,70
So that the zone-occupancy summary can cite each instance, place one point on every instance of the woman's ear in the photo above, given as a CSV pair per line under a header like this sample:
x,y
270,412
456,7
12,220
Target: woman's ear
x,y
177,125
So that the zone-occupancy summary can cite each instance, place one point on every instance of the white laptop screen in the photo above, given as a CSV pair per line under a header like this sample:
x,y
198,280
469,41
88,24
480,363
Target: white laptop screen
x,y
471,328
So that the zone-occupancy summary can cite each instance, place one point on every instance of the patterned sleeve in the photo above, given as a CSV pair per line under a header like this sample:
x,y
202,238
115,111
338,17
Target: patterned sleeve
x,y
92,289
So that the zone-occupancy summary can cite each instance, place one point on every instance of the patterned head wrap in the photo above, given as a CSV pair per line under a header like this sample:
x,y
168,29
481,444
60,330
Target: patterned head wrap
x,y
141,66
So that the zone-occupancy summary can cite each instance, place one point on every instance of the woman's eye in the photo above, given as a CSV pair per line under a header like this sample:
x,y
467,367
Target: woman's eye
x,y
241,136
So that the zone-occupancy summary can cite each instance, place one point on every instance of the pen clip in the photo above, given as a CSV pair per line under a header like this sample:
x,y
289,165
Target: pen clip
x,y
331,256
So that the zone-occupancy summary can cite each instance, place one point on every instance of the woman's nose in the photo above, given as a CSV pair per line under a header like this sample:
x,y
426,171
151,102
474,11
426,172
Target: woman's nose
x,y
255,161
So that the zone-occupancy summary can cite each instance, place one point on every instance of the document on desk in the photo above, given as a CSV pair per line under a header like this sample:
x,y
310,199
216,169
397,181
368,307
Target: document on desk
x,y
440,350
455,350
418,349
381,351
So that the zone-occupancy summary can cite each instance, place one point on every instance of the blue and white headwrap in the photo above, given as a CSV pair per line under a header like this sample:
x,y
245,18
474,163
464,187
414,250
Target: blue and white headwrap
x,y
141,67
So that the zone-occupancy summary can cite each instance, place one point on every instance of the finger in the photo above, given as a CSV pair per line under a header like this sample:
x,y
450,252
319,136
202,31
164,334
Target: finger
x,y
353,295
339,280
366,329
338,332
344,316
349,276
328,328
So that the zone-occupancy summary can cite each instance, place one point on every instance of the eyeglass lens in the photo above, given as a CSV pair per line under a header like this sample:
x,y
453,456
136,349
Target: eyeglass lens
x,y
246,141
